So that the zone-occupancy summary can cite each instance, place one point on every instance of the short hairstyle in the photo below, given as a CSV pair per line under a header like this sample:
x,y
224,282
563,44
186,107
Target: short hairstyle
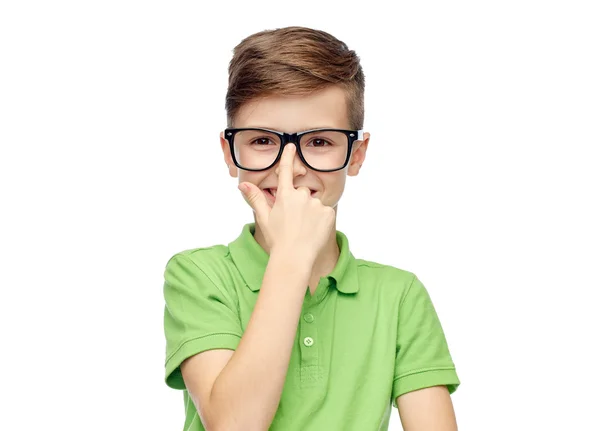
x,y
294,61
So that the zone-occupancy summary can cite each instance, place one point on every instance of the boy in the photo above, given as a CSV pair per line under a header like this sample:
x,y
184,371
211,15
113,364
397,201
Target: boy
x,y
283,328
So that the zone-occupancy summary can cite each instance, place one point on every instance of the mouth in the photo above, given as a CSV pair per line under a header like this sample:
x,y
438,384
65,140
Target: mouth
x,y
271,193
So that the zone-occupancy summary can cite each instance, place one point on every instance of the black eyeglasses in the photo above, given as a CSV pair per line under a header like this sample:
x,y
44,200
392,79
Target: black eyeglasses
x,y
323,150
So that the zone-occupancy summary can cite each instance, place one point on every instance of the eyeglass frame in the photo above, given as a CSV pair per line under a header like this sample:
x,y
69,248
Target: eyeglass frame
x,y
294,138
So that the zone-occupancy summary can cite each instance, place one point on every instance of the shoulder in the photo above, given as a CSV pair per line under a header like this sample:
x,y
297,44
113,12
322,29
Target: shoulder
x,y
210,263
385,272
383,269
202,270
384,276
202,257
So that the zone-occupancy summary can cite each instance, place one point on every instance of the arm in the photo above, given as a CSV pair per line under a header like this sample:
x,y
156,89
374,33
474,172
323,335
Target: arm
x,y
428,409
425,374
241,389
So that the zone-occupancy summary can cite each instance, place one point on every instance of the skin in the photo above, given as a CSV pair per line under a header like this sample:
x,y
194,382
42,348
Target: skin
x,y
425,409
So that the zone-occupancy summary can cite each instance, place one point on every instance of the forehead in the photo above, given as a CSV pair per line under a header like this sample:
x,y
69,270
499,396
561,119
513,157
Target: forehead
x,y
324,108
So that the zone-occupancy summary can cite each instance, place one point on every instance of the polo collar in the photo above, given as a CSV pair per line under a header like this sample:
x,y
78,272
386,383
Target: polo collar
x,y
251,260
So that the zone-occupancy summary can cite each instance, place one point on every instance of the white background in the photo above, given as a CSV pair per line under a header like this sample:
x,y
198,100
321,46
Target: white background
x,y
482,178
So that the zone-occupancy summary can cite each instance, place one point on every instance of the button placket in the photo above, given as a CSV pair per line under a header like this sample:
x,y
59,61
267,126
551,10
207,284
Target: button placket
x,y
310,372
308,338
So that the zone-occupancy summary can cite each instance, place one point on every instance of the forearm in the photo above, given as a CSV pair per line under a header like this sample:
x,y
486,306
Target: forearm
x,y
247,392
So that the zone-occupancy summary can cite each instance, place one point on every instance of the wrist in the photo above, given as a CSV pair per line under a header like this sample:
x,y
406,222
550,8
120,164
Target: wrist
x,y
296,258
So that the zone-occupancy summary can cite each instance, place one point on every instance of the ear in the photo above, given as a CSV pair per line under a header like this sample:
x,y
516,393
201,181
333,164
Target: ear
x,y
359,152
233,170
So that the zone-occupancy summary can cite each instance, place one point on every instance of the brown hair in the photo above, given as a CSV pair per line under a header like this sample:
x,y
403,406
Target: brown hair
x,y
294,61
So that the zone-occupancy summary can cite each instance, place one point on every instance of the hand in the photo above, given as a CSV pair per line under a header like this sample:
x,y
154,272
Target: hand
x,y
297,222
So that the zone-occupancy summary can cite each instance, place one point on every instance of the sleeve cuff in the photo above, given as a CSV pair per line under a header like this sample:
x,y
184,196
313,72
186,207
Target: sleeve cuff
x,y
425,379
173,377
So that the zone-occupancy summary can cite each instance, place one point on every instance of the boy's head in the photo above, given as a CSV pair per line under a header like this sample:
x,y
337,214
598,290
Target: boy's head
x,y
291,80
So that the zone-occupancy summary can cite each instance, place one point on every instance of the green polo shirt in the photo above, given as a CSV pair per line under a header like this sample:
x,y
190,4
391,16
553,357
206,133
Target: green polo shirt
x,y
369,334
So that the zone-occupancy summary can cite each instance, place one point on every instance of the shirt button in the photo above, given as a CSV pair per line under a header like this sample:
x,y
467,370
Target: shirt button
x,y
309,317
308,341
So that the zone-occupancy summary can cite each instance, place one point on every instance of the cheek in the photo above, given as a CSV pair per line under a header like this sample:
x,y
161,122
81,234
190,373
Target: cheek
x,y
255,178
334,183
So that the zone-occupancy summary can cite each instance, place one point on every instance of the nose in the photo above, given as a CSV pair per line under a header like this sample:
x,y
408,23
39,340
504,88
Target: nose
x,y
298,167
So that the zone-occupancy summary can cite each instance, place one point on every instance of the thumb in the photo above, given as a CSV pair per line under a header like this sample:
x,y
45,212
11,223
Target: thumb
x,y
255,198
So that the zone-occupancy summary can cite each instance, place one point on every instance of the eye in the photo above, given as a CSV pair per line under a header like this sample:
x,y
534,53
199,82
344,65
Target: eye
x,y
318,142
260,141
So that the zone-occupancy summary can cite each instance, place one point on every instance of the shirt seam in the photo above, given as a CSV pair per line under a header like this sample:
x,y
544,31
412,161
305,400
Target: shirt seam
x,y
424,370
407,291
223,291
194,339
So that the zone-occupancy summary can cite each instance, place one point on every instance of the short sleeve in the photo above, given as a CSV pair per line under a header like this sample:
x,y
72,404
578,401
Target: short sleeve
x,y
422,355
199,315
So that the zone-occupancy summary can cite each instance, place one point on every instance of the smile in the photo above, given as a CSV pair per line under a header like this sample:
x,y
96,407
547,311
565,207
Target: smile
x,y
272,193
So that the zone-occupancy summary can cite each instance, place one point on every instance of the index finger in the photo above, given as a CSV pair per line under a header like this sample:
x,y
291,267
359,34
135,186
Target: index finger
x,y
286,164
